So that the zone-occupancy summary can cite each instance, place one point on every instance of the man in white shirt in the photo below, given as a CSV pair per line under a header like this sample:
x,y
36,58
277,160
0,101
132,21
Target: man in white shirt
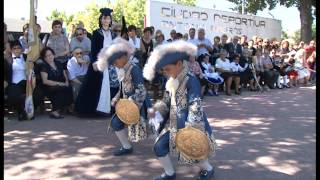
x,y
77,69
192,33
204,44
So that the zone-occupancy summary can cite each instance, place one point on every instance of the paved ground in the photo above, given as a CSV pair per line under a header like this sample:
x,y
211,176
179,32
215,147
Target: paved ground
x,y
269,136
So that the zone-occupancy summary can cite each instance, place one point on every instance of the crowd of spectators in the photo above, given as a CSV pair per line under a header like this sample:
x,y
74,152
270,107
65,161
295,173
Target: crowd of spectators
x,y
221,65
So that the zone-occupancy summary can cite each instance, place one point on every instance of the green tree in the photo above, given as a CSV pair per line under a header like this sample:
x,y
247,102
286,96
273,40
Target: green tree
x,y
304,7
186,2
284,35
89,17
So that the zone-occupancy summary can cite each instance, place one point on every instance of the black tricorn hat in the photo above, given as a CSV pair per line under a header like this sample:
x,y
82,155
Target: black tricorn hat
x,y
106,11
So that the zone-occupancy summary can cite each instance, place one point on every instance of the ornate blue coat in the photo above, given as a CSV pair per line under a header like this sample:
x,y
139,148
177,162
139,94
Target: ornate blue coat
x,y
187,111
132,87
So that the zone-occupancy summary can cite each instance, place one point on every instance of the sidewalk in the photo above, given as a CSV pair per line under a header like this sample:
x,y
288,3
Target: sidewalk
x,y
268,136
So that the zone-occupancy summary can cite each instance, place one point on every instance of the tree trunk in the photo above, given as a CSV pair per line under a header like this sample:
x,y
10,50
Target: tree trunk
x,y
306,20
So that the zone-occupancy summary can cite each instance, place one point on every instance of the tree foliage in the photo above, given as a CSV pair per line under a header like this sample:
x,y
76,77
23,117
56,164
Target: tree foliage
x,y
186,2
304,6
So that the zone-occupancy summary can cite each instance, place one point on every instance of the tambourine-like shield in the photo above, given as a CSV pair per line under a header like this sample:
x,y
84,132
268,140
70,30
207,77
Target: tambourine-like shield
x,y
192,143
127,111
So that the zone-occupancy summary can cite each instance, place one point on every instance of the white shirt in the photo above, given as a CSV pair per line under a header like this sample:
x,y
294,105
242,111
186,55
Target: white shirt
x,y
107,38
207,67
135,42
193,41
235,67
18,69
225,65
75,69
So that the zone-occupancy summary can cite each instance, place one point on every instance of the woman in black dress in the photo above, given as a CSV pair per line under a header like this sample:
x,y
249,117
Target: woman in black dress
x,y
55,81
89,94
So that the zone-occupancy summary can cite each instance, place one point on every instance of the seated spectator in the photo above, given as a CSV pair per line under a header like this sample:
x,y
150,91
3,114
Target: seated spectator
x,y
24,38
301,66
290,69
270,75
16,79
311,61
195,68
80,40
237,69
278,66
257,68
223,67
77,69
234,48
246,75
55,81
212,77
59,43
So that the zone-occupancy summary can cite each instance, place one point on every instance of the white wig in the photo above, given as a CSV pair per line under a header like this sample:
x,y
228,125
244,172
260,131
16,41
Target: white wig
x,y
167,54
118,48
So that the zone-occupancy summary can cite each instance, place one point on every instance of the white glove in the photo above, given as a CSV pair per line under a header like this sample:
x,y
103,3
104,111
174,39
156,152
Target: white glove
x,y
155,121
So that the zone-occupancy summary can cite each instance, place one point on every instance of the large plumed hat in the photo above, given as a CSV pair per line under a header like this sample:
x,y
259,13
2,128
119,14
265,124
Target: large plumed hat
x,y
167,54
108,55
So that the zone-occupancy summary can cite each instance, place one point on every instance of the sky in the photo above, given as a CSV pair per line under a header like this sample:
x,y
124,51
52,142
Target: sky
x,y
289,17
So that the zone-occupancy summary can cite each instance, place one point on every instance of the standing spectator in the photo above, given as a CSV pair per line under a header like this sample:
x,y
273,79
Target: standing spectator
x,y
243,40
246,75
234,48
87,34
80,40
285,47
216,47
204,44
59,43
172,35
179,36
146,46
139,32
223,67
185,37
24,38
56,83
116,28
159,39
251,47
77,69
133,39
270,74
192,33
90,91
224,44
72,34
277,65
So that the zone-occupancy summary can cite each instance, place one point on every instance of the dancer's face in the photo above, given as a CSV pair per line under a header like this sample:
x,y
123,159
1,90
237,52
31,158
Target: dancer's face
x,y
121,62
173,70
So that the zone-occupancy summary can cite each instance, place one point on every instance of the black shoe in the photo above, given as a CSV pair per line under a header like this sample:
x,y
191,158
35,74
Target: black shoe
x,y
56,116
278,87
205,175
22,116
164,176
122,151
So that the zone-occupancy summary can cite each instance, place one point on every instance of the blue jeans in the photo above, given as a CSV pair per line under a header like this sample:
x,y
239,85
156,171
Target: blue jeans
x,y
161,147
117,124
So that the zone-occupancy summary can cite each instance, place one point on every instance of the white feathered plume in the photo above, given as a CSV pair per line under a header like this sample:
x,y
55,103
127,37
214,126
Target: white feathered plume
x,y
118,44
157,54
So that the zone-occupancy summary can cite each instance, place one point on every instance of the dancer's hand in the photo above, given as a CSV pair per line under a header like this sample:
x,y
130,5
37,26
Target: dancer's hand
x,y
151,113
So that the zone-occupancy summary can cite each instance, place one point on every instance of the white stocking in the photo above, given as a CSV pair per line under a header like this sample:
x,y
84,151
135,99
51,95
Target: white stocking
x,y
122,136
167,165
204,164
